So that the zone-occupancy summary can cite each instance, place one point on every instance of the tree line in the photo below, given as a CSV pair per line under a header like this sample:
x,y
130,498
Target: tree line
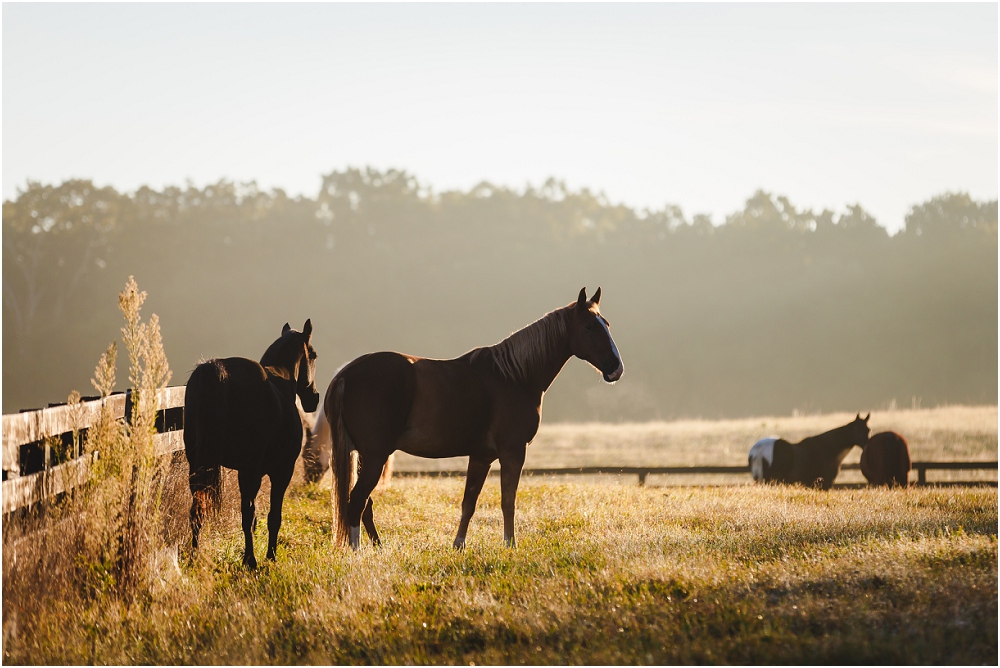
x,y
773,310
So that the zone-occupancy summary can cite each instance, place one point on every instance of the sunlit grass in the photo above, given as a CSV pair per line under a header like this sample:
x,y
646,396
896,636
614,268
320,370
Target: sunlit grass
x,y
601,574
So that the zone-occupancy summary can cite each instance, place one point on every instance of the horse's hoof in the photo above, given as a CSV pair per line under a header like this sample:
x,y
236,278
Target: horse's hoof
x,y
250,564
459,544
510,542
354,534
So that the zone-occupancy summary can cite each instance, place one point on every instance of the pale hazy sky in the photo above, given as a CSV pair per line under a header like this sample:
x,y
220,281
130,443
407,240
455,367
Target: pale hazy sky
x,y
694,104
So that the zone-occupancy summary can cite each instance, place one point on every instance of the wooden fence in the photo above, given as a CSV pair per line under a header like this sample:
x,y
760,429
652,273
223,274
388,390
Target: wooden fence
x,y
41,450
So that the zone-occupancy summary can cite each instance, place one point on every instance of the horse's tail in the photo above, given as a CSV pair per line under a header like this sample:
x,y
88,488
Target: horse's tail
x,y
202,403
343,464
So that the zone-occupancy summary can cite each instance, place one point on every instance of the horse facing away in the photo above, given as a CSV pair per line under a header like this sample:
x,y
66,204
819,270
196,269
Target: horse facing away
x,y
242,415
486,405
813,461
886,460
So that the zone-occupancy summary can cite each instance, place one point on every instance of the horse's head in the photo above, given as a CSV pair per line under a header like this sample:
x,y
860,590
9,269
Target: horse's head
x,y
294,351
590,336
305,374
860,430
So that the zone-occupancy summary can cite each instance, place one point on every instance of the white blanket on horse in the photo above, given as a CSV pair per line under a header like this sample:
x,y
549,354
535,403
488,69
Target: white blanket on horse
x,y
761,452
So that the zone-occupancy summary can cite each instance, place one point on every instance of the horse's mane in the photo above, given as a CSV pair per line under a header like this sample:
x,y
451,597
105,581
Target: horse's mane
x,y
525,350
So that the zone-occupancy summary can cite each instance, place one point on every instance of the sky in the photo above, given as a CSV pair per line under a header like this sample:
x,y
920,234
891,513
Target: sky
x,y
697,105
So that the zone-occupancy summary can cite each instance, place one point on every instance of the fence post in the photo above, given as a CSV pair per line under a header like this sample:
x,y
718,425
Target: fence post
x,y
642,477
921,475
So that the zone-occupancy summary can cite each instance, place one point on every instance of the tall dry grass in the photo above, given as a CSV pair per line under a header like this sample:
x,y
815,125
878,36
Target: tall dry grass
x,y
102,540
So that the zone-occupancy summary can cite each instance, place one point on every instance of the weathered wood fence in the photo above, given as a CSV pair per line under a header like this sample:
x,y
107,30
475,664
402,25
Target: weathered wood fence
x,y
42,458
41,448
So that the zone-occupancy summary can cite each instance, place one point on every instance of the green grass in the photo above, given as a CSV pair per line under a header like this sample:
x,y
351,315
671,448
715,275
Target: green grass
x,y
602,574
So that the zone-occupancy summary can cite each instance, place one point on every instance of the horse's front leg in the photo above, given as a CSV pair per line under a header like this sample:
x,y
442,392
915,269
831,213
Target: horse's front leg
x,y
474,479
249,486
279,483
510,475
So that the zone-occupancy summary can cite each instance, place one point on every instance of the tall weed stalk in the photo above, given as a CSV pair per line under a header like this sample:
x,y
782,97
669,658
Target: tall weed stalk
x,y
97,546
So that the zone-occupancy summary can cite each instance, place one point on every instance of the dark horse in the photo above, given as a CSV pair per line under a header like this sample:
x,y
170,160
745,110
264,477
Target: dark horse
x,y
486,405
242,415
814,461
886,460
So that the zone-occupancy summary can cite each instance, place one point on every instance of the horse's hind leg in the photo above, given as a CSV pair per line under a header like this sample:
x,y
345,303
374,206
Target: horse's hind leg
x,y
368,519
278,486
368,476
249,486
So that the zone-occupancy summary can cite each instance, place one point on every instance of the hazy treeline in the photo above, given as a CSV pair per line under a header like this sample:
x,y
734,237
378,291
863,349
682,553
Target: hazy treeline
x,y
775,309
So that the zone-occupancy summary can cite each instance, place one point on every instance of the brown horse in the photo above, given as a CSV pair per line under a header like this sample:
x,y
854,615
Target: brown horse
x,y
813,461
486,405
886,460
242,415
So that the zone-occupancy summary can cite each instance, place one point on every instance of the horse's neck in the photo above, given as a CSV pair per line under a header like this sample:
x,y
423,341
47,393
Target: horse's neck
x,y
283,380
836,441
534,355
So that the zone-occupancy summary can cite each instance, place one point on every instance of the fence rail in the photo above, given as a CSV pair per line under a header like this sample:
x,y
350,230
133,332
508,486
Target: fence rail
x,y
30,435
644,472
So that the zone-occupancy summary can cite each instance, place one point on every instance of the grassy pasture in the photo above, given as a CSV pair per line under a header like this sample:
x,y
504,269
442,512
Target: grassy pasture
x,y
603,573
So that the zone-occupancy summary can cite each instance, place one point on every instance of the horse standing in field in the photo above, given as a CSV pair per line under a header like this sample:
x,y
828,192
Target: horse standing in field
x,y
242,415
813,461
486,405
886,460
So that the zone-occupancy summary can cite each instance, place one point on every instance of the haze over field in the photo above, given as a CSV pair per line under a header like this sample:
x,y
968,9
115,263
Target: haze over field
x,y
789,207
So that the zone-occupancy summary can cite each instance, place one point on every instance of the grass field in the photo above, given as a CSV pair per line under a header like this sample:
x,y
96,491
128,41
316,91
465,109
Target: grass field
x,y
602,573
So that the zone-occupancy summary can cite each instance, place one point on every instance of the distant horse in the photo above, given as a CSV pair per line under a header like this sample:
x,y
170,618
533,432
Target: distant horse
x,y
813,462
486,405
317,450
886,460
762,458
243,415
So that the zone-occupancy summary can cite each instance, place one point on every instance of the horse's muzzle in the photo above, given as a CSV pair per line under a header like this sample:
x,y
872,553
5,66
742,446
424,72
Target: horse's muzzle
x,y
616,374
310,403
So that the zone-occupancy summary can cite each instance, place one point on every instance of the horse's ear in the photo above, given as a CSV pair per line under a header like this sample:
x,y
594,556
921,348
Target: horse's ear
x,y
581,301
285,329
596,299
307,328
867,416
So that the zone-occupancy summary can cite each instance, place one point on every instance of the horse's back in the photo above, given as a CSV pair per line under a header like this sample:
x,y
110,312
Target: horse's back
x,y
426,407
227,406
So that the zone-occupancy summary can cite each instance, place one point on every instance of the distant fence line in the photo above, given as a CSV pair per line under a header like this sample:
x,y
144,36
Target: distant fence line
x,y
42,458
644,472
